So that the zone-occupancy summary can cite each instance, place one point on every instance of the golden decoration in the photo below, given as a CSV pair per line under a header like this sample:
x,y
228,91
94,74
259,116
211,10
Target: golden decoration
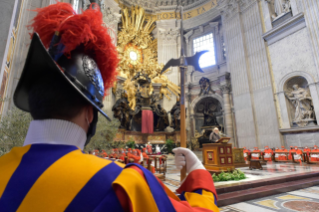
x,y
137,51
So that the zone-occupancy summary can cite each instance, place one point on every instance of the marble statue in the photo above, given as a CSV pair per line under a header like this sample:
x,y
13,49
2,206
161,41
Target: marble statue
x,y
209,118
281,6
205,86
121,111
302,102
175,116
161,119
278,4
286,6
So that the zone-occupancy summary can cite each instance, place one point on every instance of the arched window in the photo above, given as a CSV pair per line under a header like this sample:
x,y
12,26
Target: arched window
x,y
205,42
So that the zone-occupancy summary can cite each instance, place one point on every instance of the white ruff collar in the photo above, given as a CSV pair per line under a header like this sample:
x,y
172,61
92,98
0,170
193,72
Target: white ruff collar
x,y
55,131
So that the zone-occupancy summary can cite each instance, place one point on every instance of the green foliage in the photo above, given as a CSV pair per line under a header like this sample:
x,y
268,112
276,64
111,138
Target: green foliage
x,y
13,129
105,134
131,144
237,174
170,145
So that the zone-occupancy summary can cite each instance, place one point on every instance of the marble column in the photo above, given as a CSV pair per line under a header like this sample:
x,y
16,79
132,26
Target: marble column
x,y
111,17
168,47
227,112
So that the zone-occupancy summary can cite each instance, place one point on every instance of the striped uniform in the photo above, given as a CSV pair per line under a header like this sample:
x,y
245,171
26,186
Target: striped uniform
x,y
48,177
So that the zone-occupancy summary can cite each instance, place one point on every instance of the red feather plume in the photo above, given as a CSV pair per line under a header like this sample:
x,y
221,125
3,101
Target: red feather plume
x,y
75,29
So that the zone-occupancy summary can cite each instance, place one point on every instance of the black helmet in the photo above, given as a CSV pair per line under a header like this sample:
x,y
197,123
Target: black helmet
x,y
80,71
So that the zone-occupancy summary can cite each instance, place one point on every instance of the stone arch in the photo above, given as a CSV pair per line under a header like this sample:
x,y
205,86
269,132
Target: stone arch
x,y
199,98
287,77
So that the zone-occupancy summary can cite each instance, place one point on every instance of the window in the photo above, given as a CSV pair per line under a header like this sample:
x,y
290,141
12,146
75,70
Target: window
x,y
205,42
76,5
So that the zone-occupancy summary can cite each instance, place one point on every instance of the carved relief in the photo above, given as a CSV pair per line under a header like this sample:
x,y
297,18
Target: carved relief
x,y
280,7
225,88
301,105
110,15
205,88
170,34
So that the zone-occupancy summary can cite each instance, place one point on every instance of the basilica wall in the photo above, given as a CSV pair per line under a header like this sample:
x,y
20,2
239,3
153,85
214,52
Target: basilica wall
x,y
255,112
293,54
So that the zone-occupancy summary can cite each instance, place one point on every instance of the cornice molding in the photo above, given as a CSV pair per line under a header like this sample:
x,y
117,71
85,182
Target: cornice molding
x,y
286,28
168,34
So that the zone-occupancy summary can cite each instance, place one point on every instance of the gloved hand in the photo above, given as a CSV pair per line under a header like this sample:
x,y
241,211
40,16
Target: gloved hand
x,y
186,156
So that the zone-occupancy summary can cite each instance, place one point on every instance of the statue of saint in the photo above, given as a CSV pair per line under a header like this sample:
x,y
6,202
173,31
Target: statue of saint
x,y
205,86
176,116
162,118
209,118
286,6
302,102
121,111
281,6
278,4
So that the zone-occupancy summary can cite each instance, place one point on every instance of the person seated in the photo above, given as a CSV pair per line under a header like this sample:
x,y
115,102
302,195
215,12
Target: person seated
x,y
122,154
283,156
246,153
104,154
149,148
277,153
145,156
133,156
292,150
255,154
298,154
267,153
214,136
307,151
96,152
314,155
117,153
146,160
112,155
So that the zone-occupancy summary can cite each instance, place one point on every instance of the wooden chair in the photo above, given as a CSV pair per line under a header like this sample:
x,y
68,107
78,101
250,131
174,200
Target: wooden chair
x,y
293,158
160,170
308,158
149,164
254,164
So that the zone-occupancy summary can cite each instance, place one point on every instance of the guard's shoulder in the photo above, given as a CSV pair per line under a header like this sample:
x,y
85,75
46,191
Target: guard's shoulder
x,y
97,160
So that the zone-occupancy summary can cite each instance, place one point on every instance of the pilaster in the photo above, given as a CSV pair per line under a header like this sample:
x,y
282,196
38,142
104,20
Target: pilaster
x,y
227,111
168,42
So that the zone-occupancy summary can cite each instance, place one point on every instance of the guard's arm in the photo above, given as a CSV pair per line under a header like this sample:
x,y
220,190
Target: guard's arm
x,y
136,192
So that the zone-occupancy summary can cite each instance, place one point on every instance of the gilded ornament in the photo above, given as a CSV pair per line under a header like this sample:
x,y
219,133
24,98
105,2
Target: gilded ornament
x,y
137,51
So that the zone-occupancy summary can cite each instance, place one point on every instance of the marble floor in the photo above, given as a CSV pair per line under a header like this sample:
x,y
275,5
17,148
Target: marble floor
x,y
303,200
306,200
270,170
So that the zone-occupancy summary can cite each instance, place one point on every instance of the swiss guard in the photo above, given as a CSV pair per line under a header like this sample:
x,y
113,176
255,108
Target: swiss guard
x,y
70,64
